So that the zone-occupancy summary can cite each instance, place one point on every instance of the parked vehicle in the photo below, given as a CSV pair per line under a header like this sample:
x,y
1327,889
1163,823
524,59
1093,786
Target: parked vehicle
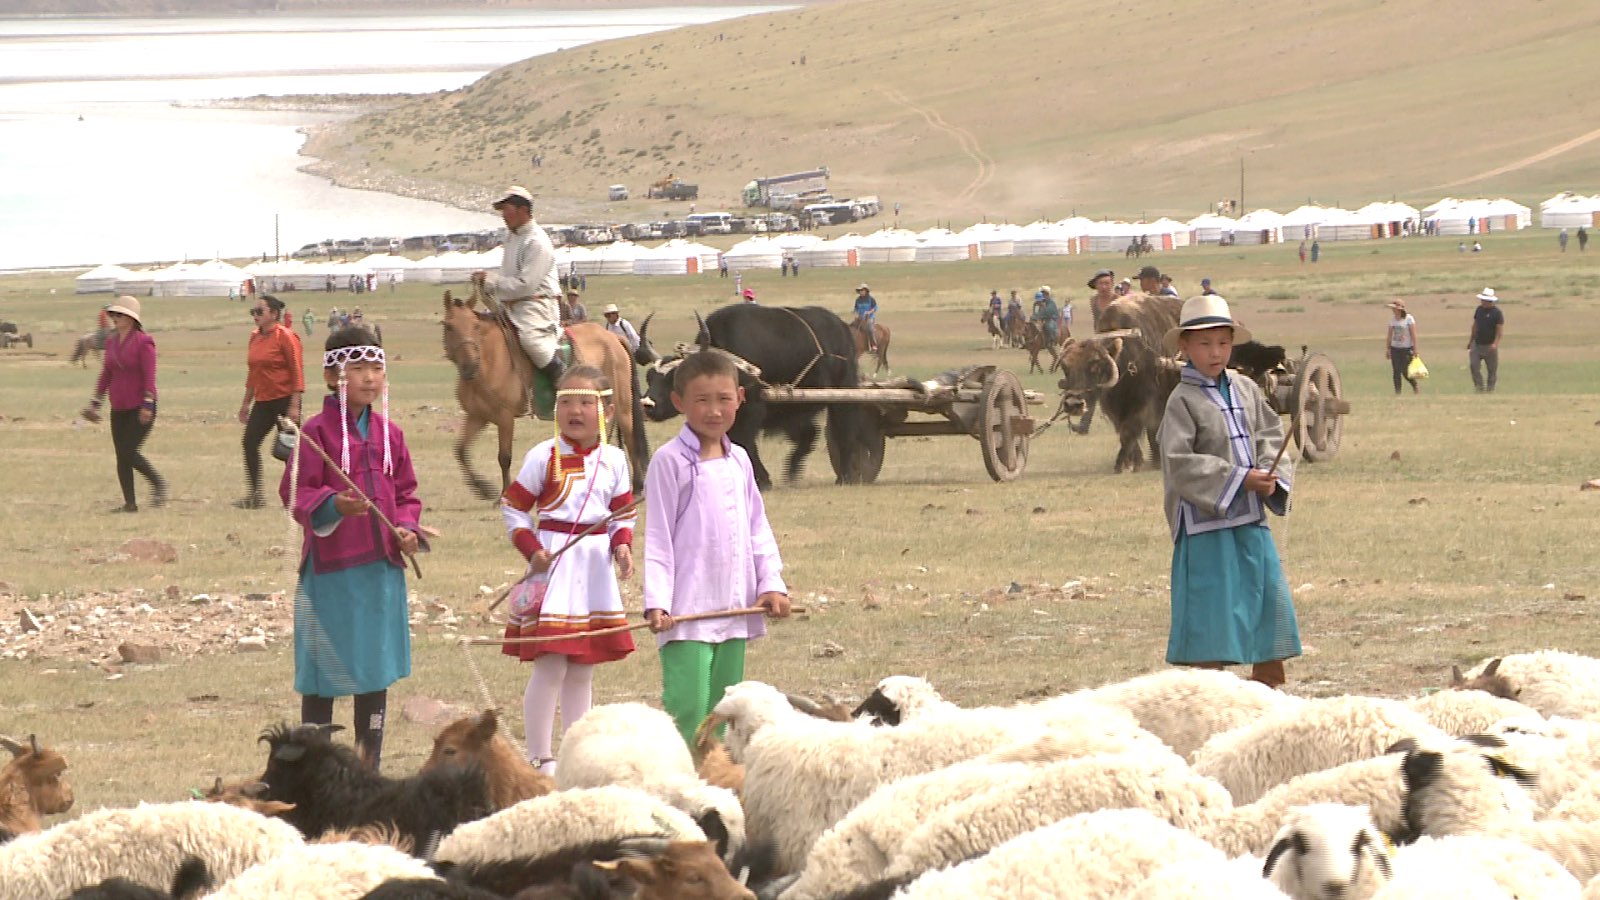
x,y
673,189
712,222
617,192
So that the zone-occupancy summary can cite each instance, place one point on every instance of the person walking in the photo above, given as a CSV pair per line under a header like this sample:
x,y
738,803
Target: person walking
x,y
709,548
128,375
1221,475
1205,288
274,382
1316,251
621,327
576,311
1583,238
1483,347
309,321
1562,240
1401,347
1302,253
351,636
568,484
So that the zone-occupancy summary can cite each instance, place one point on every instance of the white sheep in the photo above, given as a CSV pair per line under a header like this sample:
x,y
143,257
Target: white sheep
x,y
1329,850
1563,754
1460,713
543,826
1575,845
1551,681
1517,869
1186,707
802,774
1455,789
343,871
856,851
1319,735
604,748
145,844
1209,879
901,698
1095,856
1160,784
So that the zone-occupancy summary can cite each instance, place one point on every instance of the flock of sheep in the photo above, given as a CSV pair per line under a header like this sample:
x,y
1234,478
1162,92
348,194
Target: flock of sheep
x,y
1176,785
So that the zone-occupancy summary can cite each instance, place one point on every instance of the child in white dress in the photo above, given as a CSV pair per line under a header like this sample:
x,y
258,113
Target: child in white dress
x,y
566,485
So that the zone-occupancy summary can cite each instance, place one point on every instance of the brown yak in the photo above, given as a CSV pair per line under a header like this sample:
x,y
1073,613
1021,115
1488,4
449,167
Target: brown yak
x,y
1128,374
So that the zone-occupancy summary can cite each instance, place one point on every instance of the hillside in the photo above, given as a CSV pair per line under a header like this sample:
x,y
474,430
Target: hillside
x,y
968,108
226,7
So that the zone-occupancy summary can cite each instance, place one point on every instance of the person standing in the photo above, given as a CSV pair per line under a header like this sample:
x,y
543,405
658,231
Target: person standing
x,y
1150,280
1205,288
568,484
1302,253
1402,347
309,321
527,284
351,636
1167,290
576,311
1104,293
1316,251
1219,438
1583,238
128,375
621,327
710,548
1562,240
274,382
1483,347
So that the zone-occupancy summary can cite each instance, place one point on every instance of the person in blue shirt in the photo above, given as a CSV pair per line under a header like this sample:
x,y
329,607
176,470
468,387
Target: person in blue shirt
x,y
1047,315
867,315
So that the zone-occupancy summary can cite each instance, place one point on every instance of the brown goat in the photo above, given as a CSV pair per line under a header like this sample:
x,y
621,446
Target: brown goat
x,y
1490,681
477,739
32,784
685,870
246,795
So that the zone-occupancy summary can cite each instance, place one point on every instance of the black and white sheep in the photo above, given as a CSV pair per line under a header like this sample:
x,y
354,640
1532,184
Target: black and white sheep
x,y
146,844
332,789
1319,735
191,880
1329,850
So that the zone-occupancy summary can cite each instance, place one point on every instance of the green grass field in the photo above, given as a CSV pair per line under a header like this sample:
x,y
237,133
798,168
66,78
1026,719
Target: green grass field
x,y
1475,541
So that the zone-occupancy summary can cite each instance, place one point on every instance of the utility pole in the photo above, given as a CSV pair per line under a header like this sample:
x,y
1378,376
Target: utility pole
x,y
1241,185
277,249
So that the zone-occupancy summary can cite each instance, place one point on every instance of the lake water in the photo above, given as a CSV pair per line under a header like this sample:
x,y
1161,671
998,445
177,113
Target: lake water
x,y
100,165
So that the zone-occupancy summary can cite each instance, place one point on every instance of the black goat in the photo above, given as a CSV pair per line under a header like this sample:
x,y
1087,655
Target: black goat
x,y
647,867
1256,359
191,881
426,889
331,789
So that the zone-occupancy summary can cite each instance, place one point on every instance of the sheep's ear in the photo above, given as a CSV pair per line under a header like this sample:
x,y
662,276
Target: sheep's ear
x,y
1404,745
1493,667
1380,858
1421,768
289,753
1492,741
1294,840
1503,769
1456,680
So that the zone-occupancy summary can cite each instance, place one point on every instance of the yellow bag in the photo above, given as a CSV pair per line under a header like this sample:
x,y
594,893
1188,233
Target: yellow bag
x,y
1416,371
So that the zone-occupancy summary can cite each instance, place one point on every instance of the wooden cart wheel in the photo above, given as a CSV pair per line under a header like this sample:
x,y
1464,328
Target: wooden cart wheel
x,y
1319,408
869,461
1005,449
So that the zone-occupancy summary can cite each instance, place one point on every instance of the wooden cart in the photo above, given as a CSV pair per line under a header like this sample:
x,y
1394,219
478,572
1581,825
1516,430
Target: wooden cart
x,y
1310,392
985,402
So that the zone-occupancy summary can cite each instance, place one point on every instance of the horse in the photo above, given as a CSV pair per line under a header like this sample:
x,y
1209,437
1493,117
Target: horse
x,y
1138,247
996,325
493,377
858,330
1035,342
94,341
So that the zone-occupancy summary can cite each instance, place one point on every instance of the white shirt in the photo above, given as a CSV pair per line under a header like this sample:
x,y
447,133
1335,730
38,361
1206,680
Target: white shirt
x,y
1400,332
622,328
527,266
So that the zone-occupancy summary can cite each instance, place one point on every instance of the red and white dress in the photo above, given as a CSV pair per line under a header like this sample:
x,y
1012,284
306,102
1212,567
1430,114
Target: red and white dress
x,y
559,492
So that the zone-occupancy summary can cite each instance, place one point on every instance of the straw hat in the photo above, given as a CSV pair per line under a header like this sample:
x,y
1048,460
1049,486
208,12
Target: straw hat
x,y
129,306
517,195
1398,306
1487,296
1205,311
610,308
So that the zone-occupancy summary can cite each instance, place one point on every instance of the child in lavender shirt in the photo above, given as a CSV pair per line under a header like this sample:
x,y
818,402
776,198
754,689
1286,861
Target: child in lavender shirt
x,y
708,547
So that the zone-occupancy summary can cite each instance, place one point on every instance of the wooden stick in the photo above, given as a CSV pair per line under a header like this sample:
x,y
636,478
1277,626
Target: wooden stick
x,y
288,425
618,629
1288,435
610,517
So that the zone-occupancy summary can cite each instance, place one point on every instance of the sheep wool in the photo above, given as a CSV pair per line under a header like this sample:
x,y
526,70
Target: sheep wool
x,y
544,826
1161,785
1575,845
1460,713
145,844
342,871
1095,856
1550,681
1517,869
1252,760
1563,753
1187,707
629,744
1209,879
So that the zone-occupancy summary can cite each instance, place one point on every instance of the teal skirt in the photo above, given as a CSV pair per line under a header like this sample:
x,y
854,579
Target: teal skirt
x,y
351,630
1230,601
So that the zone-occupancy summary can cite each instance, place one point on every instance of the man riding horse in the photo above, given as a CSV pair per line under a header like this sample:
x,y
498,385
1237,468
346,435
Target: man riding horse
x,y
867,316
527,286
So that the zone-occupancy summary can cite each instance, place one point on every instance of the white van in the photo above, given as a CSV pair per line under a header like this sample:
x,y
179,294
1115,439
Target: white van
x,y
712,222
617,192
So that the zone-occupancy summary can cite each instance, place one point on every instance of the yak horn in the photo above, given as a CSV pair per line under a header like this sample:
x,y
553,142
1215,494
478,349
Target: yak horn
x,y
703,335
646,354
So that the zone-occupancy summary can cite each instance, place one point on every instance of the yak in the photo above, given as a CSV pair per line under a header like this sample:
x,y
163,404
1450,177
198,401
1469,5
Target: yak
x,y
1128,374
802,346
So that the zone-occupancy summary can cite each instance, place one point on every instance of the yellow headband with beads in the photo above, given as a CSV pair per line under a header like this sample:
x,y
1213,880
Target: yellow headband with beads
x,y
585,392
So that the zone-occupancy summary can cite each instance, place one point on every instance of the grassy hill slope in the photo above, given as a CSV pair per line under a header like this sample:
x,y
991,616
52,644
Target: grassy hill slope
x,y
966,108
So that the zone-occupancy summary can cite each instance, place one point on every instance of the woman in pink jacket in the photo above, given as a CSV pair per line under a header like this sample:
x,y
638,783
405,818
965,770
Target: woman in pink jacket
x,y
129,375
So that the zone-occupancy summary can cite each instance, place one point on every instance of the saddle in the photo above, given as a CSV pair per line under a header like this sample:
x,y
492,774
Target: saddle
x,y
542,391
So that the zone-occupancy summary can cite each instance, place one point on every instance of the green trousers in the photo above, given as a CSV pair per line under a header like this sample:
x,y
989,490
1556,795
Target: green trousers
x,y
694,675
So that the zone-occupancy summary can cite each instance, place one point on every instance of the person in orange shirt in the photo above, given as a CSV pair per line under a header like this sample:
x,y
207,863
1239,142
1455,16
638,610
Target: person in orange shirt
x,y
273,386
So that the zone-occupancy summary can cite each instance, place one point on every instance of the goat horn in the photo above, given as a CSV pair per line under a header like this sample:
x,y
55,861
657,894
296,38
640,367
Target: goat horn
x,y
706,733
15,748
1455,677
643,846
33,740
804,704
216,789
